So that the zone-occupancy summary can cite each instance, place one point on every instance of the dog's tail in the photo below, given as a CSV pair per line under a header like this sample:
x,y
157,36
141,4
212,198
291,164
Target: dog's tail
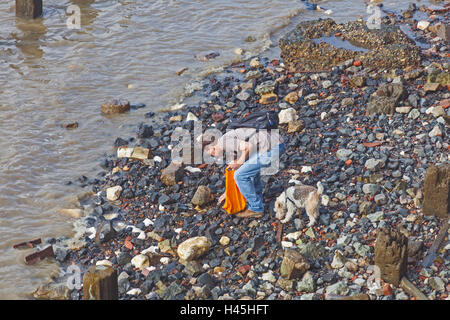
x,y
319,188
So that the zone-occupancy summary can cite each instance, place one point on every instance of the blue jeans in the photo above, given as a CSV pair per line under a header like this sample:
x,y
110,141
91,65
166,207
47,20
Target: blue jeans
x,y
248,176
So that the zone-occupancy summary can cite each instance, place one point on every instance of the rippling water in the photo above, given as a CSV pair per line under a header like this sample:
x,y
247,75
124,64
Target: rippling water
x,y
51,75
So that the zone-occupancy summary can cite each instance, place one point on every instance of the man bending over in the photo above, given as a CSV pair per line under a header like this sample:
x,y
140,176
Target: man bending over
x,y
247,151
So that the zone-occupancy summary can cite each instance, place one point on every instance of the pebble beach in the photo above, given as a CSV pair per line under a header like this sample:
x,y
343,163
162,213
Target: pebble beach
x,y
367,125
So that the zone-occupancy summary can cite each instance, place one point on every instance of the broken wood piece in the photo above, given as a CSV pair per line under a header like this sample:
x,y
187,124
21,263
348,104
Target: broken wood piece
x,y
411,289
27,244
39,255
432,252
181,71
279,232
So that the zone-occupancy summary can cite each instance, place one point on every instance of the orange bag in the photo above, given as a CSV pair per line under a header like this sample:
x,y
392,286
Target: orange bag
x,y
234,201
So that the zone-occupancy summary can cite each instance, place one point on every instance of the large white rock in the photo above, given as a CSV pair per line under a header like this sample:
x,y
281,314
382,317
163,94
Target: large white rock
x,y
437,111
224,240
239,51
140,261
134,292
193,248
287,115
190,116
423,25
124,152
254,63
269,276
435,132
113,193
338,260
326,84
105,263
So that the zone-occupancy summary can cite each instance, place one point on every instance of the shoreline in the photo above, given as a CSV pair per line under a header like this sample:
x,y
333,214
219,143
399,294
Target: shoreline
x,y
231,271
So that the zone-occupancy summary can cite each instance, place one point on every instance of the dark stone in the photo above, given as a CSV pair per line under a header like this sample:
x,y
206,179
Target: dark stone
x,y
61,254
124,258
330,277
415,248
123,285
105,232
206,280
120,142
155,276
172,291
147,286
145,131
193,268
164,200
161,222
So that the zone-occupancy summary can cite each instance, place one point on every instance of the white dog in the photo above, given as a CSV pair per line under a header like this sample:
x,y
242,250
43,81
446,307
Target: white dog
x,y
297,197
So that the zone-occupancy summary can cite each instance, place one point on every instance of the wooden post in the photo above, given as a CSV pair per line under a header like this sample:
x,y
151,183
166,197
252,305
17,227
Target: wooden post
x,y
391,254
436,196
28,9
100,283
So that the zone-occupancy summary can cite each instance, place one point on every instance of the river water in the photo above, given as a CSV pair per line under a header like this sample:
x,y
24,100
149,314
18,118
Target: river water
x,y
51,74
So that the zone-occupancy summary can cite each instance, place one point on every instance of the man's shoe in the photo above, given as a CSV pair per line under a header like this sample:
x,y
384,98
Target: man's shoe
x,y
249,214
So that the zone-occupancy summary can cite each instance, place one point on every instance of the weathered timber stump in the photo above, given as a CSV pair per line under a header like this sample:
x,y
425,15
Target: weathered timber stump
x,y
100,283
391,255
436,200
28,9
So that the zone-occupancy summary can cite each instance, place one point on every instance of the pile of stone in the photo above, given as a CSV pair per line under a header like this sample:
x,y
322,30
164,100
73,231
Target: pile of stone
x,y
320,45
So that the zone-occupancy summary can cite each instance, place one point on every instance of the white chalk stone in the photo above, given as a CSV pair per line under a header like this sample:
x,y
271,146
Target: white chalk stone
x,y
113,193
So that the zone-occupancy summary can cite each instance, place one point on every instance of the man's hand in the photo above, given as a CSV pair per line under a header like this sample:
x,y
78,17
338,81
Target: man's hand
x,y
222,198
234,165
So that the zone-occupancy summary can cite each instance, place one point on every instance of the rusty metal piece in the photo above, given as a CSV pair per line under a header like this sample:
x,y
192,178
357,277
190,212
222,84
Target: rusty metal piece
x,y
279,232
27,244
411,289
432,252
39,255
